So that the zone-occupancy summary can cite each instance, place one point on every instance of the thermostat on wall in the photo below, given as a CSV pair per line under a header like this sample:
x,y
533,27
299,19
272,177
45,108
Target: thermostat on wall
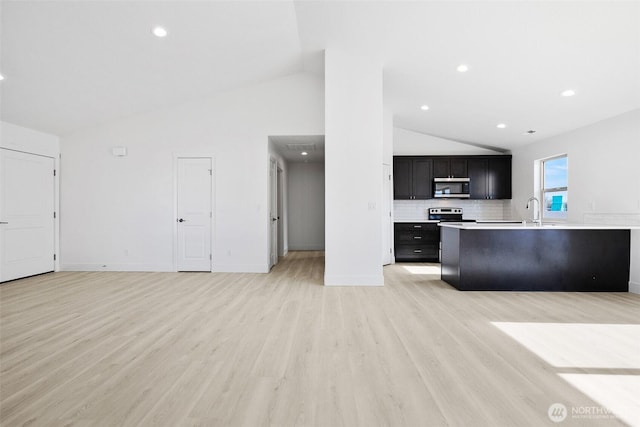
x,y
119,151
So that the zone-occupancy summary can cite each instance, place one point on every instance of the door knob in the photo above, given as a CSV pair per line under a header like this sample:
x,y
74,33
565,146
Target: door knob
x,y
181,220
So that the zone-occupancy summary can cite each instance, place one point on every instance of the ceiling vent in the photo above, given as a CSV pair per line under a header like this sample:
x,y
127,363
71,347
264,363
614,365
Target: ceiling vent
x,y
301,147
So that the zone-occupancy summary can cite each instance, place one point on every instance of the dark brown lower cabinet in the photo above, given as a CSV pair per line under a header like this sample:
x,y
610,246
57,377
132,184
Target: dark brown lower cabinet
x,y
416,241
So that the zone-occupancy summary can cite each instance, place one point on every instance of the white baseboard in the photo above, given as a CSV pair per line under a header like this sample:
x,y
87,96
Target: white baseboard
x,y
240,268
117,267
307,247
353,280
634,288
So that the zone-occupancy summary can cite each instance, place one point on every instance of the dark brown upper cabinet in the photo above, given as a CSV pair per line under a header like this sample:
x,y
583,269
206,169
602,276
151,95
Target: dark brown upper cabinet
x,y
449,167
412,178
489,176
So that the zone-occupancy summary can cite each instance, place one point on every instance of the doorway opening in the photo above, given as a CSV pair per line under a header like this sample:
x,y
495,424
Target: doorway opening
x,y
281,236
274,217
299,183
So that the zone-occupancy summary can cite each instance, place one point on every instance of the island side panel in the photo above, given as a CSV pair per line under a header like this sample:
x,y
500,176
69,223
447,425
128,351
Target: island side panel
x,y
450,255
542,260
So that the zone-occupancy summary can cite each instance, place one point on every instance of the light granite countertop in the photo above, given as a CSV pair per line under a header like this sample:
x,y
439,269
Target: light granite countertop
x,y
490,225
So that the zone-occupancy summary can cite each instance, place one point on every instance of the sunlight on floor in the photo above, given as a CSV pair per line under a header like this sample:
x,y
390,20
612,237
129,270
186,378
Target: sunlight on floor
x,y
423,269
579,345
620,394
610,348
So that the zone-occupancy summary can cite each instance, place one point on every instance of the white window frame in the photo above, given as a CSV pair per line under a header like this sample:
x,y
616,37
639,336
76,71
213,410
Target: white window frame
x,y
555,215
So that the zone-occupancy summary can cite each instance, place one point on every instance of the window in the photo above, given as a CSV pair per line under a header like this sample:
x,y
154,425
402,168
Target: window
x,y
554,187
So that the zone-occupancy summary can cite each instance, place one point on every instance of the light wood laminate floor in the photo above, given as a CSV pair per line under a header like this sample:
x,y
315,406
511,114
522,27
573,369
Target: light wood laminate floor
x,y
280,349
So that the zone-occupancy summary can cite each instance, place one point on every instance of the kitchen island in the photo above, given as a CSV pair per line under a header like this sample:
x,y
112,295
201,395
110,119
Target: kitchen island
x,y
529,257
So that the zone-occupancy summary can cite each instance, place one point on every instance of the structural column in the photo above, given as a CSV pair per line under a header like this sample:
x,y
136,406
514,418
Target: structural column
x,y
353,161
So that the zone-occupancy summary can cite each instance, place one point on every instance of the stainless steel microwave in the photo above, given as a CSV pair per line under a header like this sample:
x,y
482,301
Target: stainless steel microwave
x,y
451,188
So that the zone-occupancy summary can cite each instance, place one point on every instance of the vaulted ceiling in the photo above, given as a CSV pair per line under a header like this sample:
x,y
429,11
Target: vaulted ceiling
x,y
74,64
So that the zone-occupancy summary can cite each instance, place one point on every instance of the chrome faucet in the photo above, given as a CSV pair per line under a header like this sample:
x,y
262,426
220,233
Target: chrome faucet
x,y
536,213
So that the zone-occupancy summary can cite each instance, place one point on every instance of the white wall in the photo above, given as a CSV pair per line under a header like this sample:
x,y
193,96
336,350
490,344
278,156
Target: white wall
x,y
603,174
389,133
410,143
353,159
28,140
118,212
19,138
306,206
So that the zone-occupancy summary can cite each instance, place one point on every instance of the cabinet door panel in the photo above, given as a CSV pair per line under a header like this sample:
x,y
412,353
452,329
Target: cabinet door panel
x,y
477,169
499,178
458,168
402,178
440,168
422,178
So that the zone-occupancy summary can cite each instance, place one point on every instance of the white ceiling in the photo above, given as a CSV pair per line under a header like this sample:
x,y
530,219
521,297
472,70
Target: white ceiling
x,y
73,64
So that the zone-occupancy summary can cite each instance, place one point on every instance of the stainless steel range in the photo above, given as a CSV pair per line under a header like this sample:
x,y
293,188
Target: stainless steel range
x,y
445,214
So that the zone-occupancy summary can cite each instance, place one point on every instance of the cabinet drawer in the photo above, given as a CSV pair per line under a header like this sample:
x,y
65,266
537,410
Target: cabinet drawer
x,y
416,226
405,237
417,252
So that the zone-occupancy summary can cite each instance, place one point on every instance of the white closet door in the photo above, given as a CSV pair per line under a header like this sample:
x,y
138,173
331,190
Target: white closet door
x,y
194,214
26,214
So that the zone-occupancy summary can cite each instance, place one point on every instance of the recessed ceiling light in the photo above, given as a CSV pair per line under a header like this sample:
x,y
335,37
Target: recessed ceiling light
x,y
462,68
1,77
530,132
424,107
160,32
568,92
501,126
304,153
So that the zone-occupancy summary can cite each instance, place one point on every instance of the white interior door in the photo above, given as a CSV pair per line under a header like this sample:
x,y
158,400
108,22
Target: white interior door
x,y
194,211
26,214
273,213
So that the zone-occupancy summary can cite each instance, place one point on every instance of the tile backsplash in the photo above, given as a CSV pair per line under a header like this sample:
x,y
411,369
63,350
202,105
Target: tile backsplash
x,y
416,210
602,218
